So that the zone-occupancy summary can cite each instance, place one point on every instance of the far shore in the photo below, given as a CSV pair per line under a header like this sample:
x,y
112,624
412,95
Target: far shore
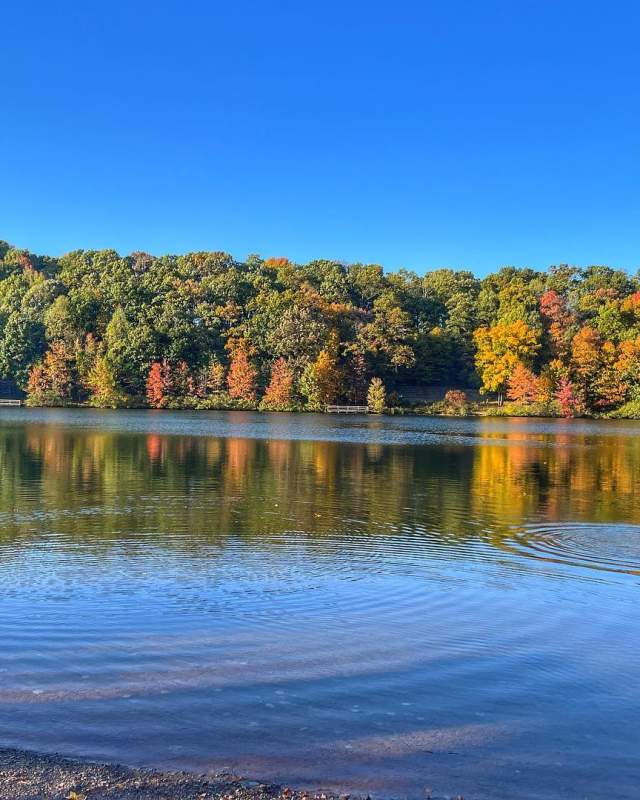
x,y
507,410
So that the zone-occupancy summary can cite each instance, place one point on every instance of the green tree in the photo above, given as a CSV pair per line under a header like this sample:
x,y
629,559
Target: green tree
x,y
309,388
335,325
129,348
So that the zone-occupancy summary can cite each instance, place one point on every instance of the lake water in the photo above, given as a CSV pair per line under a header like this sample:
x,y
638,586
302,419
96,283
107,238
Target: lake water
x,y
366,604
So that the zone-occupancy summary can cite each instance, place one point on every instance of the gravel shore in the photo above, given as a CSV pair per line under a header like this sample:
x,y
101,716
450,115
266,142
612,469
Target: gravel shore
x,y
34,776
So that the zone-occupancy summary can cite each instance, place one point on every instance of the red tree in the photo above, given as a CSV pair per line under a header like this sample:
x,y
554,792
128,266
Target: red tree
x,y
456,398
159,384
167,383
554,311
571,404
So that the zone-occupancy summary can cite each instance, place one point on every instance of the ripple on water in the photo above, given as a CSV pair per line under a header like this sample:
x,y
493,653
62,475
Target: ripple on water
x,y
380,616
588,546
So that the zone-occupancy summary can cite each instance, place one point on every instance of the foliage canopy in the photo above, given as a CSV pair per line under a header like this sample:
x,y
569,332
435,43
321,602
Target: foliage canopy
x,y
94,326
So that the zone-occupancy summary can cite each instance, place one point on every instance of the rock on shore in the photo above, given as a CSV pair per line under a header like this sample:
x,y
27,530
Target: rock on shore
x,y
34,776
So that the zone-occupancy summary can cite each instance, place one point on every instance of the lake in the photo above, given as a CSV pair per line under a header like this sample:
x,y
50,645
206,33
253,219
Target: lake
x,y
355,603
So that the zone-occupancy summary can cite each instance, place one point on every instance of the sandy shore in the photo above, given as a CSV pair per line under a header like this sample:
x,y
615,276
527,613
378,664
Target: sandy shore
x,y
32,776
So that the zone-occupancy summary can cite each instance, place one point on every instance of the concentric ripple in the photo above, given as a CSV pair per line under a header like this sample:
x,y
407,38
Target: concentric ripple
x,y
606,548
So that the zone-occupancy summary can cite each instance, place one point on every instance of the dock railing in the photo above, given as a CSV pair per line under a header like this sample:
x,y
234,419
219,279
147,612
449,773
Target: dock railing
x,y
347,409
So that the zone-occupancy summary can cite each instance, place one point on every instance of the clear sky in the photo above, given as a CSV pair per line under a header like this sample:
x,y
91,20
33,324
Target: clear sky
x,y
416,134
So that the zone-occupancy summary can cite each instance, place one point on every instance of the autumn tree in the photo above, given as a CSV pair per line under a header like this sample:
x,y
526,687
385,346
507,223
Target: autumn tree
x,y
569,399
335,325
105,392
609,388
279,393
500,349
327,376
586,348
558,320
628,362
587,361
523,386
242,375
215,377
170,385
50,381
159,384
457,400
376,396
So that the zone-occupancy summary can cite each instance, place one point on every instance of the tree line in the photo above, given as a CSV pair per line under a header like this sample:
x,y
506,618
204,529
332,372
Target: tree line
x,y
204,330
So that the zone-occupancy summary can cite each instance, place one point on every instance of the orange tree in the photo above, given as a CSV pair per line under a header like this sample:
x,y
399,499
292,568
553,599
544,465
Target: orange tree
x,y
523,386
279,393
242,375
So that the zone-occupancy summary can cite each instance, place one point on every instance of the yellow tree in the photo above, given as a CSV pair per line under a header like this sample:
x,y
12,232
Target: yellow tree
x,y
609,387
327,375
587,361
50,381
586,353
628,363
500,350
321,380
105,392
376,396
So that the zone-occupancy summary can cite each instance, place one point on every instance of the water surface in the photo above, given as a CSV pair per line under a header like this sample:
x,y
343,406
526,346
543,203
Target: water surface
x,y
376,605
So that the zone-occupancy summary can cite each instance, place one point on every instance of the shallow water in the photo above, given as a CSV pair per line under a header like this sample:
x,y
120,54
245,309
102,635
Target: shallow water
x,y
377,605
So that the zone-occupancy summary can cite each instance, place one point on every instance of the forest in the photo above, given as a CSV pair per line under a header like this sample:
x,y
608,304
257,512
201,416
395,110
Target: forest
x,y
204,330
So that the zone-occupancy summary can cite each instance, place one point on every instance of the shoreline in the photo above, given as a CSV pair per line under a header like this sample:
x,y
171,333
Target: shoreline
x,y
30,775
491,412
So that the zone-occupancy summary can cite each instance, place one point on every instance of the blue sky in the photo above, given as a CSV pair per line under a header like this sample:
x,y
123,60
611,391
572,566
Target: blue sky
x,y
411,134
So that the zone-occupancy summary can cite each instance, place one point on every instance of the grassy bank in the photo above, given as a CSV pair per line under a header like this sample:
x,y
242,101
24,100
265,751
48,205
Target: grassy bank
x,y
630,410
